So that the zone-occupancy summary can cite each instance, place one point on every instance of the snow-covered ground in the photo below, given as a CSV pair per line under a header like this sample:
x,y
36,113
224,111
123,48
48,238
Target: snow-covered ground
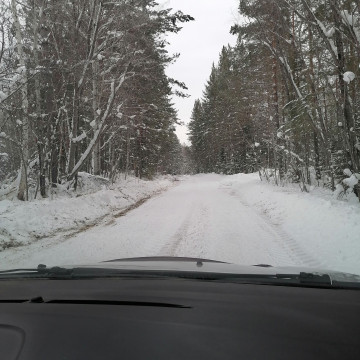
x,y
231,218
95,201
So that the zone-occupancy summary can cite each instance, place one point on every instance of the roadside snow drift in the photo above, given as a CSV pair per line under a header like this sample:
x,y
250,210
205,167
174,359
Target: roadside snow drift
x,y
22,223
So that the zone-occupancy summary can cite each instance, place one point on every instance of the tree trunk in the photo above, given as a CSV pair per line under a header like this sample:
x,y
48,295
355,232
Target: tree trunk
x,y
95,105
96,161
349,123
279,155
39,121
74,131
23,188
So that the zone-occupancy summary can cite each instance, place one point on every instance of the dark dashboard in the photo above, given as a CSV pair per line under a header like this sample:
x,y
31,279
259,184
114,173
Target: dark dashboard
x,y
124,318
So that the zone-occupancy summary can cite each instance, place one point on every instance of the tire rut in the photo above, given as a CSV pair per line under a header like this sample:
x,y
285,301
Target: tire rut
x,y
285,241
188,231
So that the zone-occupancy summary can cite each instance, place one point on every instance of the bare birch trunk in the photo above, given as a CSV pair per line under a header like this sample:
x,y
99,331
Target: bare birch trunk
x,y
40,143
23,188
278,157
74,130
95,105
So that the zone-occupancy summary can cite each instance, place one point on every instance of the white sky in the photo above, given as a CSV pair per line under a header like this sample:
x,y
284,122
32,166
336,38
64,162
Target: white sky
x,y
199,43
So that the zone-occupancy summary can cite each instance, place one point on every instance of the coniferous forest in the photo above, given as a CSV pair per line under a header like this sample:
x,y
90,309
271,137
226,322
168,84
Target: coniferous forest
x,y
83,88
285,100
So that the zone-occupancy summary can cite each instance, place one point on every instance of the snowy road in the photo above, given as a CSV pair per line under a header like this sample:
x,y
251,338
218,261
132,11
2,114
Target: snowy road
x,y
203,216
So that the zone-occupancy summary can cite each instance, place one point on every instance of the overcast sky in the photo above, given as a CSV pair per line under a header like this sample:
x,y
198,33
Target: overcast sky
x,y
199,43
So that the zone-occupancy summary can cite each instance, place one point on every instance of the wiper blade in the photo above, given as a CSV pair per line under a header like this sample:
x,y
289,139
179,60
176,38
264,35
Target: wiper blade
x,y
306,278
56,272
298,279
40,271
302,279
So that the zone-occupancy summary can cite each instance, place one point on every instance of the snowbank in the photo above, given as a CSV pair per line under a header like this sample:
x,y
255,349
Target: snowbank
x,y
23,223
323,226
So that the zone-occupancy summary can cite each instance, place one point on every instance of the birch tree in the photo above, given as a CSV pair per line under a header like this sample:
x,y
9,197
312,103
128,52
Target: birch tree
x,y
80,73
24,121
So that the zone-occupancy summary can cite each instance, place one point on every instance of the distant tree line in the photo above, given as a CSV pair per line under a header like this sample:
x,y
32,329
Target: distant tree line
x,y
83,88
286,97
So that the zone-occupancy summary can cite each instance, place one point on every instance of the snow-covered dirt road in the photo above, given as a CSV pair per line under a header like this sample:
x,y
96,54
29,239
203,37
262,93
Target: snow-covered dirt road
x,y
235,218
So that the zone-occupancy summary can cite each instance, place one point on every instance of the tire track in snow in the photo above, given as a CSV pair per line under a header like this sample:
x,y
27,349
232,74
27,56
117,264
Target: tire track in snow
x,y
192,236
190,232
285,241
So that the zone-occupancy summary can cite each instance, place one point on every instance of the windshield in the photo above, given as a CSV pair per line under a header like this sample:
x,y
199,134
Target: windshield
x,y
215,129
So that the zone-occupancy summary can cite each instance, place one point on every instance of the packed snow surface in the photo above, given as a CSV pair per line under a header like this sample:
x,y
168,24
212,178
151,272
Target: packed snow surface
x,y
237,219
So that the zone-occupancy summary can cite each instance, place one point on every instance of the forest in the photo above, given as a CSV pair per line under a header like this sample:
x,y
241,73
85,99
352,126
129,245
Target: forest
x,y
285,101
83,88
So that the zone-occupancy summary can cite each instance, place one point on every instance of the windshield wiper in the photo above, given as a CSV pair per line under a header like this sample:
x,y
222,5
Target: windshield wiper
x,y
56,272
40,271
302,279
306,278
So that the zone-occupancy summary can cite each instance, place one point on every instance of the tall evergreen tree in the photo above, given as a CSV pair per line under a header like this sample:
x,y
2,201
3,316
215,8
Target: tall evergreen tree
x,y
285,97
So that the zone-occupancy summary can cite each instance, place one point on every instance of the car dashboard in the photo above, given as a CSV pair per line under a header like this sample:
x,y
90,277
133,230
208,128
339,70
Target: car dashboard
x,y
162,318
